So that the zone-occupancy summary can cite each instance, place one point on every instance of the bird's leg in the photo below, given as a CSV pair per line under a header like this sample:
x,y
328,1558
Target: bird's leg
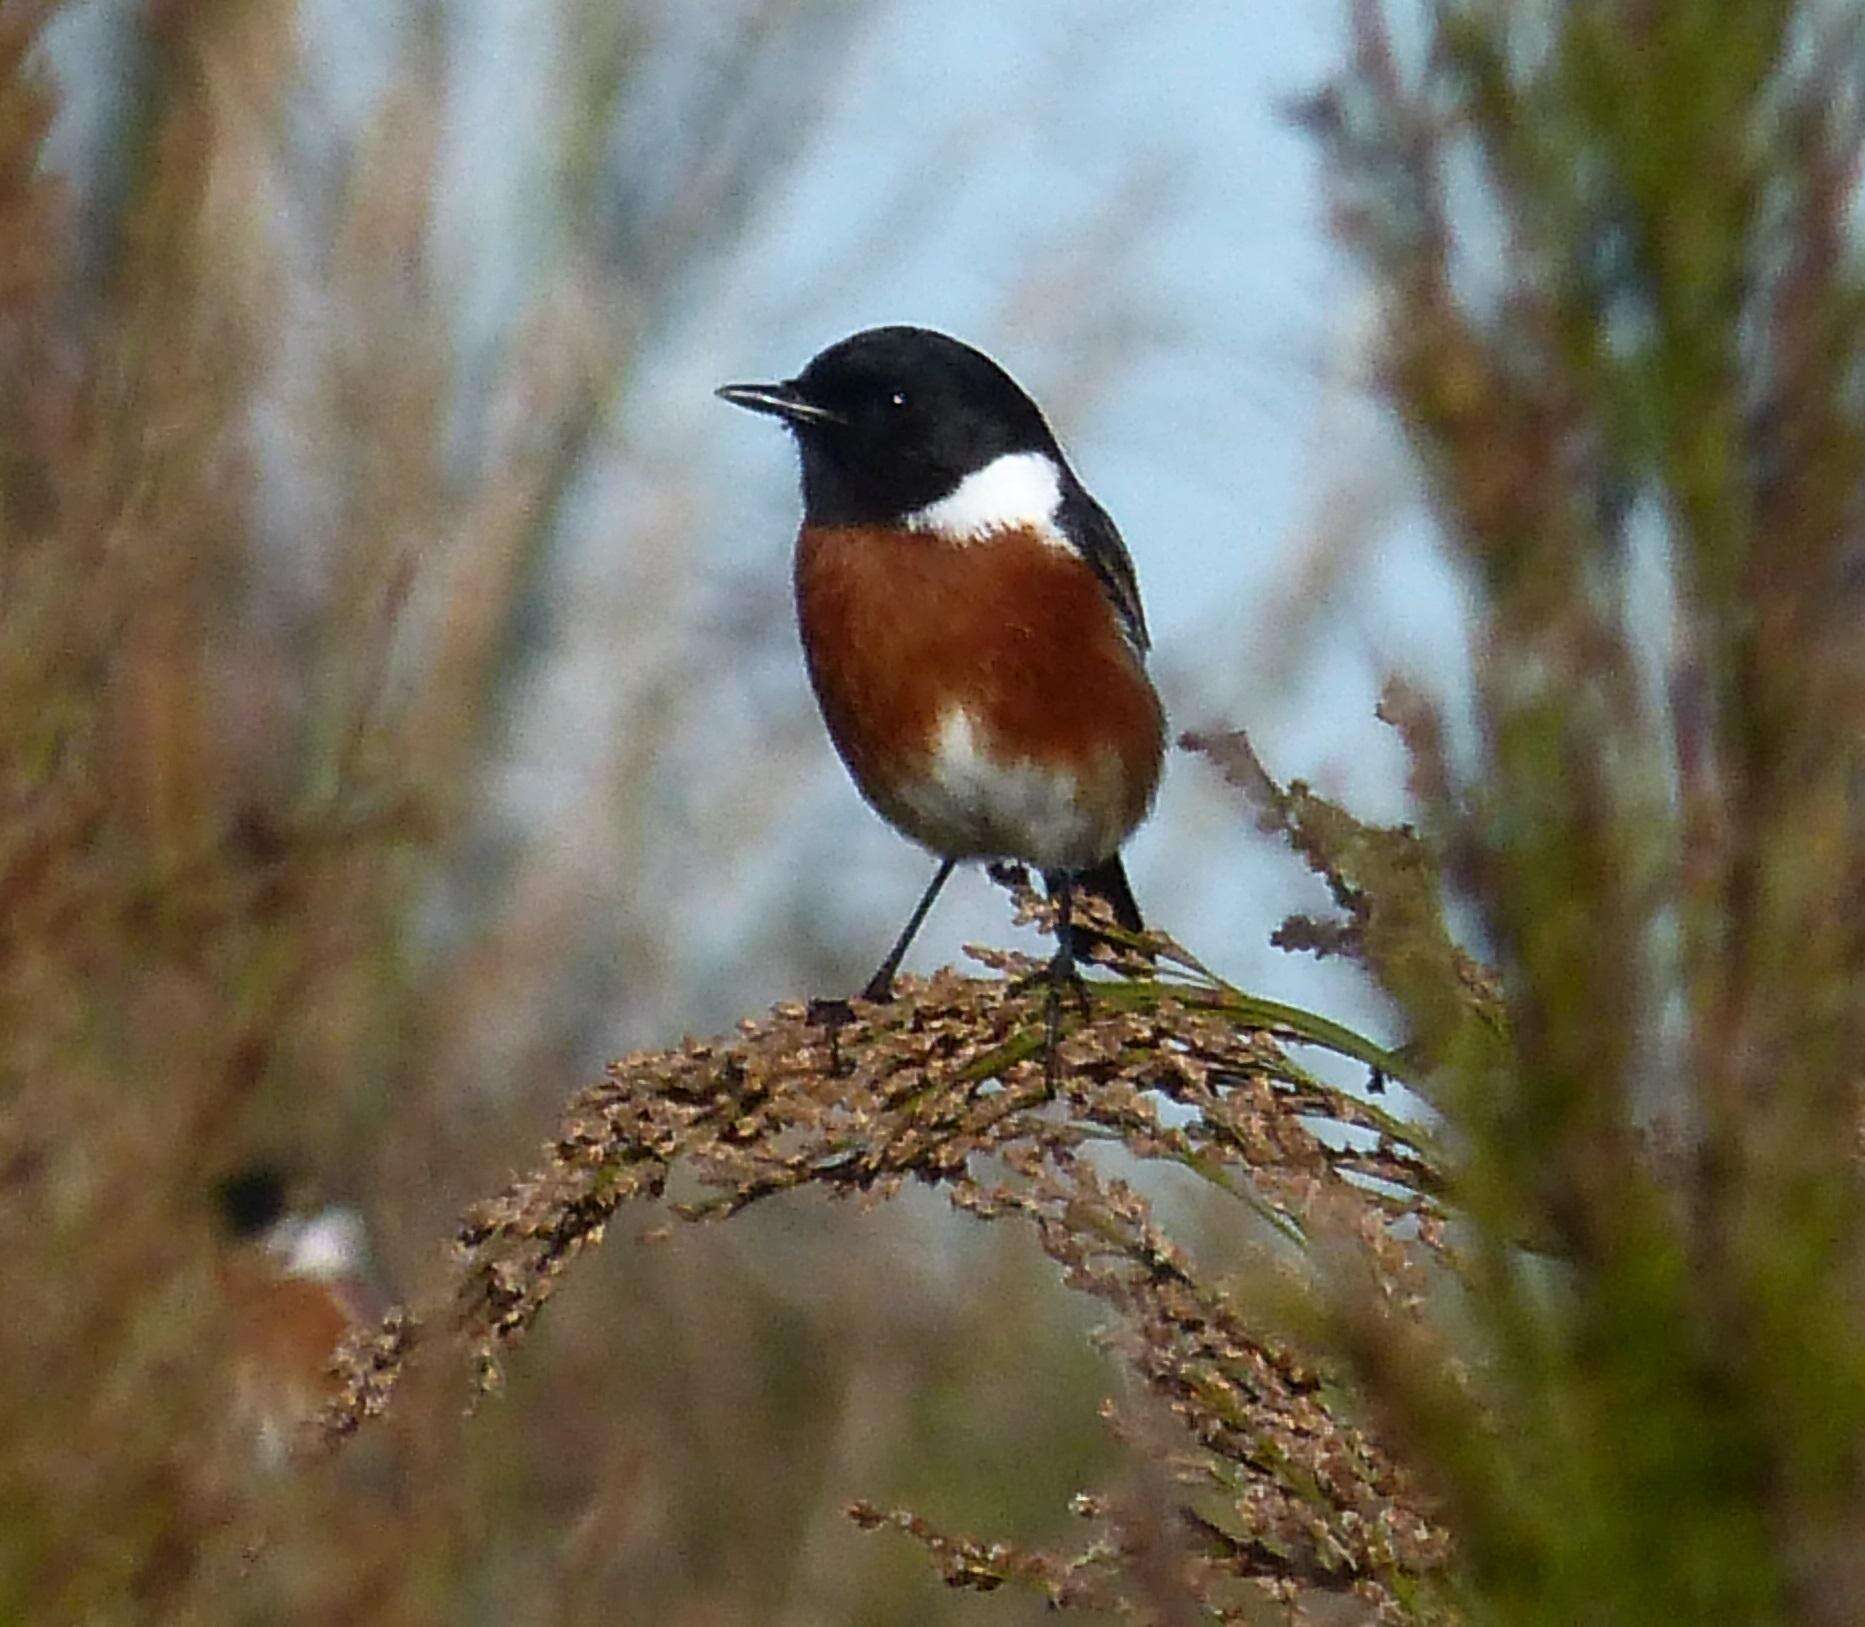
x,y
881,986
1061,971
835,1014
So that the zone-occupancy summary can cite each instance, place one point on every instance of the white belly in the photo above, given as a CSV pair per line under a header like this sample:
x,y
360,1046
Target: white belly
x,y
970,803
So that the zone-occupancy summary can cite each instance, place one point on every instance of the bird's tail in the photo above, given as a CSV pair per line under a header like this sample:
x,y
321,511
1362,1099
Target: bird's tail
x,y
1108,880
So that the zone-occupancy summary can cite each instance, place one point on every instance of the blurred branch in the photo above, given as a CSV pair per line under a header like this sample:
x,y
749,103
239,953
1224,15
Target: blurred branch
x,y
1620,301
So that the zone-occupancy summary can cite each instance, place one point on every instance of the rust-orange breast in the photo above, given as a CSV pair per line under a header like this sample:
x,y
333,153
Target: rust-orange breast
x,y
903,629
286,1331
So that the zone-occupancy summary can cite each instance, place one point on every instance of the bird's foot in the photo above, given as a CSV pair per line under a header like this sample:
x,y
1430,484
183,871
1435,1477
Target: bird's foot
x,y
1047,976
1059,974
831,1014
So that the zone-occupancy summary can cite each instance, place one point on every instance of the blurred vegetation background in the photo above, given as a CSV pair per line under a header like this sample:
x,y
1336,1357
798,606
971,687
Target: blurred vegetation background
x,y
279,575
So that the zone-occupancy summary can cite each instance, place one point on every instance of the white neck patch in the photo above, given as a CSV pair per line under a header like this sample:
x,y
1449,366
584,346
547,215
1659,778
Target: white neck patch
x,y
324,1248
1019,491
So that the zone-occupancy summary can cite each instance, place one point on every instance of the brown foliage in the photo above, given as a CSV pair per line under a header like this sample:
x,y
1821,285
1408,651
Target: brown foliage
x,y
1274,1482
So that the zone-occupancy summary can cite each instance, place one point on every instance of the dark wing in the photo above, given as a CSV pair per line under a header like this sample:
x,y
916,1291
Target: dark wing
x,y
1098,538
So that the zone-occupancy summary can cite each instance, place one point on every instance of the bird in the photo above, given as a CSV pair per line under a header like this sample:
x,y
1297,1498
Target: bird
x,y
971,623
296,1285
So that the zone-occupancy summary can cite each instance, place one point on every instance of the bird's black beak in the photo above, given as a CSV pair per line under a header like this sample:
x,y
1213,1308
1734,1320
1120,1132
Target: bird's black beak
x,y
784,401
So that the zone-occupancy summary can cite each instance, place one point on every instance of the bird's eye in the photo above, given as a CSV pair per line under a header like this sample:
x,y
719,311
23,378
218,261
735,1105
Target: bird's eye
x,y
897,399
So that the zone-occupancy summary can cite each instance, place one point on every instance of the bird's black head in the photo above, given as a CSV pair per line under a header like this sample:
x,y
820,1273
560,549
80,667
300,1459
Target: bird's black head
x,y
892,419
251,1201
